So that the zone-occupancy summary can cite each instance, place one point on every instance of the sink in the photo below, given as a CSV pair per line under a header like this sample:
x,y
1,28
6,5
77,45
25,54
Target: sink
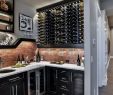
x,y
6,70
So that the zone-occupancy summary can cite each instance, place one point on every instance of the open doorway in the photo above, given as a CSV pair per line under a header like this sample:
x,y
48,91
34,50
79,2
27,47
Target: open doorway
x,y
106,86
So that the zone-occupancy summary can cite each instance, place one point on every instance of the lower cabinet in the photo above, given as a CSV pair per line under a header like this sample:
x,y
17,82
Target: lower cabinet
x,y
51,81
33,82
78,82
42,81
36,82
13,85
64,81
5,88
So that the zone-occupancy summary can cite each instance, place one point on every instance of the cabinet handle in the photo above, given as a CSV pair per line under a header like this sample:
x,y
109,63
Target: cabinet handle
x,y
63,78
63,86
16,90
71,77
63,72
63,94
12,90
14,79
64,89
56,74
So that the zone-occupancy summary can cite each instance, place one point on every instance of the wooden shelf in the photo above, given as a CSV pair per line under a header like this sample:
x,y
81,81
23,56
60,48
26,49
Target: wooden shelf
x,y
7,21
4,21
6,12
9,31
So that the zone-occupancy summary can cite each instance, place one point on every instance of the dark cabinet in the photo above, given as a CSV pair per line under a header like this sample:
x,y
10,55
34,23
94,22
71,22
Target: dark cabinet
x,y
13,85
42,81
64,82
17,86
5,88
61,81
33,82
51,81
78,83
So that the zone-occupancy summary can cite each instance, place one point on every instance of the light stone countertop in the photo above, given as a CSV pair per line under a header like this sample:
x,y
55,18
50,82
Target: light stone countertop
x,y
35,65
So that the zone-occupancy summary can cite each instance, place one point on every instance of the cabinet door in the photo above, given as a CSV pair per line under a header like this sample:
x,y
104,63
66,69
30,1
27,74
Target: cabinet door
x,y
78,83
5,89
51,80
42,80
33,82
20,89
64,84
17,84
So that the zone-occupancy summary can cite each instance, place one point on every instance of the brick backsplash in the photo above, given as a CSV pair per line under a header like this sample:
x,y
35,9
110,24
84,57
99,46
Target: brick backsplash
x,y
61,54
9,56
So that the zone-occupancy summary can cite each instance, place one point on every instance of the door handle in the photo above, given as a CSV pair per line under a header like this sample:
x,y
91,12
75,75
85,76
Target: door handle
x,y
56,74
71,77
16,89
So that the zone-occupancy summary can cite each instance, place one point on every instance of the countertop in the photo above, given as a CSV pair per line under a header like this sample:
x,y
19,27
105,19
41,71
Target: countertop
x,y
37,65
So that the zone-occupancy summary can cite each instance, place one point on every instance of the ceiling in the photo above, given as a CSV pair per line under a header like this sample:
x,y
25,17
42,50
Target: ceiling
x,y
39,3
104,4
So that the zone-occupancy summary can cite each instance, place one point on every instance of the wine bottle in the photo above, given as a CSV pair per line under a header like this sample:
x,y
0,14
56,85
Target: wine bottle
x,y
18,59
22,59
78,60
38,57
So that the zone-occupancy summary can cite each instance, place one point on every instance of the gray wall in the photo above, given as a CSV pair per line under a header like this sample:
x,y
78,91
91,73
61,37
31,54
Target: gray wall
x,y
91,80
23,8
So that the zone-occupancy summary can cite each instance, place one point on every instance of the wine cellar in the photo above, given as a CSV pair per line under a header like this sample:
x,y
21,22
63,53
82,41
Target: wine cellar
x,y
61,25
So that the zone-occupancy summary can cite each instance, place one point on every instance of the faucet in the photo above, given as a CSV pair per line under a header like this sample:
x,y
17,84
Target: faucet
x,y
1,62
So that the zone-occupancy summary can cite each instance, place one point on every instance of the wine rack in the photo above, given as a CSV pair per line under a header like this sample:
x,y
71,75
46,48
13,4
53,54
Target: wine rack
x,y
61,25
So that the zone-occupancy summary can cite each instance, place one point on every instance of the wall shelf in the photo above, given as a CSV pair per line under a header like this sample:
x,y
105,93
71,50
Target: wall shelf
x,y
8,31
10,12
7,22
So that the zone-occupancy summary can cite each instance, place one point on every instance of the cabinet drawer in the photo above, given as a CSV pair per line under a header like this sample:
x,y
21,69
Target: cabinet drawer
x,y
16,77
64,86
64,75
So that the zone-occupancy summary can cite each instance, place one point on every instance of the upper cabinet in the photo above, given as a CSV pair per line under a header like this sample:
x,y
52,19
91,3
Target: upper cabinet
x,y
7,16
61,25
